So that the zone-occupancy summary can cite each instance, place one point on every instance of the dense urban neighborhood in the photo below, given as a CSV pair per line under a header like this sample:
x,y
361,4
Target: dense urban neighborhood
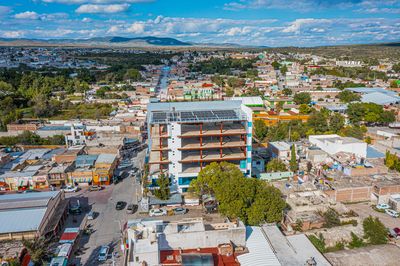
x,y
190,156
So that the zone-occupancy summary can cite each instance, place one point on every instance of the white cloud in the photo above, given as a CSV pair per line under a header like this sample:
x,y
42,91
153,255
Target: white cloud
x,y
297,25
158,19
27,15
95,1
93,9
12,34
86,20
113,29
235,31
136,28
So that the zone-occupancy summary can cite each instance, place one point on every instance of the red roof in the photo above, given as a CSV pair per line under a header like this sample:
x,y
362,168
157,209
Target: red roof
x,y
70,236
169,257
207,85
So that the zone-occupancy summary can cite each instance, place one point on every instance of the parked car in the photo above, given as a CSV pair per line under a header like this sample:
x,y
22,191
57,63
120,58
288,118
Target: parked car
x,y
91,215
103,254
70,188
392,213
94,188
179,211
382,206
120,205
157,212
132,208
397,231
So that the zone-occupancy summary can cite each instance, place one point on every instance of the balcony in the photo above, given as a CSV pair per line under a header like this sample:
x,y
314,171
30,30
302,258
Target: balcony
x,y
157,157
228,154
215,130
214,144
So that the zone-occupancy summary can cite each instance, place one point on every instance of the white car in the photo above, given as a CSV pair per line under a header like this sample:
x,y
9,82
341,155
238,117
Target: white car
x,y
382,206
392,213
70,188
103,254
157,212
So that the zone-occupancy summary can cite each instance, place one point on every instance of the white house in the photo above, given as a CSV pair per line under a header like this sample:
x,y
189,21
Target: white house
x,y
333,144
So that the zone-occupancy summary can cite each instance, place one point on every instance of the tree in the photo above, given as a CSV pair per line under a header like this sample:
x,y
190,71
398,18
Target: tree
x,y
283,69
353,131
37,249
336,122
348,96
302,98
132,74
304,109
276,65
293,160
374,231
318,122
252,200
356,242
260,129
393,84
287,92
275,165
163,187
331,218
396,67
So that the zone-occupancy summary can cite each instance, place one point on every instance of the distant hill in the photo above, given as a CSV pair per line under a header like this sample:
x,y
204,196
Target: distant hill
x,y
100,41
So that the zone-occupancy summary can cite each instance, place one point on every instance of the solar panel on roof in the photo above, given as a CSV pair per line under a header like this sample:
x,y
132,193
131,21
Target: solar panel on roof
x,y
159,116
187,115
204,114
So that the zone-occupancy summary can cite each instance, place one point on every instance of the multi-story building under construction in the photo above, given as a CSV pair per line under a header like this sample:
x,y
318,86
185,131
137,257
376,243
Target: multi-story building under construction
x,y
184,137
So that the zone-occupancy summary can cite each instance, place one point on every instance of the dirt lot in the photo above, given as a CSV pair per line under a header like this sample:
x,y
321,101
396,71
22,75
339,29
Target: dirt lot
x,y
364,210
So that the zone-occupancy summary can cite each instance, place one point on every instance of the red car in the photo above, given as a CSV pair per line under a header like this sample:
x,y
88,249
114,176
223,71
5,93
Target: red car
x,y
397,231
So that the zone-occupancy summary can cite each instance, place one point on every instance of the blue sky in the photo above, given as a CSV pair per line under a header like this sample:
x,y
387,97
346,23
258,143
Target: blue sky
x,y
255,22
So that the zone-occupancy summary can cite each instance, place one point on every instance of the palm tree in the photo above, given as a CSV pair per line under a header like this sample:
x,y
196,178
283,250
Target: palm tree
x,y
37,249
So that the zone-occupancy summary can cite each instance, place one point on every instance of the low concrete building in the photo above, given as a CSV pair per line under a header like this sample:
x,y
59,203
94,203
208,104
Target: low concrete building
x,y
294,249
146,239
279,149
333,144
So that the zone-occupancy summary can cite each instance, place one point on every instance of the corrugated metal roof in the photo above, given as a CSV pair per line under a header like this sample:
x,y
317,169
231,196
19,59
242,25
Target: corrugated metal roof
x,y
29,196
260,251
21,220
379,98
106,158
372,90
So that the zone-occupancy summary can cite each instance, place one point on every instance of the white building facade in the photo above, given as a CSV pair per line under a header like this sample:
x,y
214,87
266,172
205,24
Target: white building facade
x,y
184,137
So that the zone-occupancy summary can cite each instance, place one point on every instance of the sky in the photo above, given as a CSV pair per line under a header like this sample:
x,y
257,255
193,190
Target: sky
x,y
271,23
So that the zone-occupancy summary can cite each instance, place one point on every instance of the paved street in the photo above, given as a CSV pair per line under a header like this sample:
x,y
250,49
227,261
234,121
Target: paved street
x,y
108,222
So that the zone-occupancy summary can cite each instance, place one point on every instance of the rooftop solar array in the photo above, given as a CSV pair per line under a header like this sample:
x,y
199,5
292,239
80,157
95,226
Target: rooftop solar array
x,y
195,116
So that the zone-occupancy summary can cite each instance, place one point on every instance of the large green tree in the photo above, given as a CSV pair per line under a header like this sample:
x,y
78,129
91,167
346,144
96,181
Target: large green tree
x,y
251,200
260,129
302,98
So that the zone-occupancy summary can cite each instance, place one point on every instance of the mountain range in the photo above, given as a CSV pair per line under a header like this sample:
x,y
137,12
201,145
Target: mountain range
x,y
99,41
127,42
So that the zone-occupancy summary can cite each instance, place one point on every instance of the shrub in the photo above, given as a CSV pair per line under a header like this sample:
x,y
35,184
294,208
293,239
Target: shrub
x,y
331,218
318,242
